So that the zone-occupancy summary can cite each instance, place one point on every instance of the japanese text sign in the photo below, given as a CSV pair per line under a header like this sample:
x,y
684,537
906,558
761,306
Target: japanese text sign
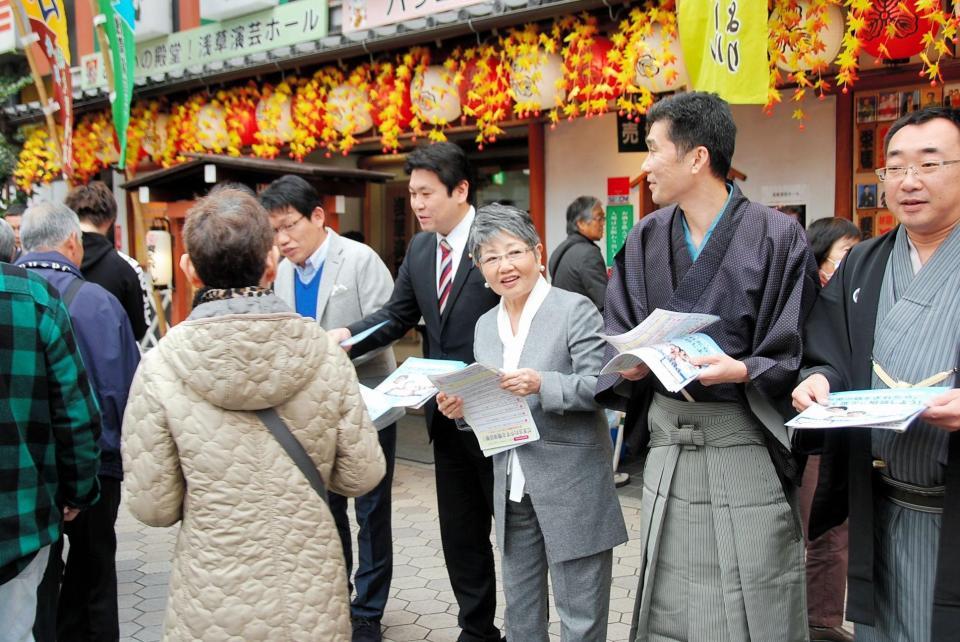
x,y
284,25
367,14
725,48
48,19
631,135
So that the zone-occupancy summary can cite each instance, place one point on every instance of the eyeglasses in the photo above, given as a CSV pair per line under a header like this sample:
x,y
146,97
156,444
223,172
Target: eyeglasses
x,y
511,257
899,173
287,227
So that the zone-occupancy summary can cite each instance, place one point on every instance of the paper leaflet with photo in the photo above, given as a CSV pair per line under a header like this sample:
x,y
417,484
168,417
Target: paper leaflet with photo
x,y
381,413
887,409
499,419
409,386
665,342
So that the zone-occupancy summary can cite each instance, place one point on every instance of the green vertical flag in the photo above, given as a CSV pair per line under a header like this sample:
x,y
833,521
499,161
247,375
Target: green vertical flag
x,y
120,24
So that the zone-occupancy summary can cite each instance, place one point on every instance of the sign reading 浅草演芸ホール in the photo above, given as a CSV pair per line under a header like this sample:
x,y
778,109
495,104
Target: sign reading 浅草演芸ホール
x,y
282,26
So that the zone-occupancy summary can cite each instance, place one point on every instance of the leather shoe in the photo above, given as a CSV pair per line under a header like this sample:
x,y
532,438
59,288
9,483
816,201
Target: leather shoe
x,y
366,630
829,634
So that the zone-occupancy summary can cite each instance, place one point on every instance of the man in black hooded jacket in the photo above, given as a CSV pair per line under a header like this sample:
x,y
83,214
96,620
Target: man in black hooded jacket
x,y
102,264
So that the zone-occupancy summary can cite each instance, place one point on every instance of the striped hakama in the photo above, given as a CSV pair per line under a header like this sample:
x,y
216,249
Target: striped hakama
x,y
723,549
917,334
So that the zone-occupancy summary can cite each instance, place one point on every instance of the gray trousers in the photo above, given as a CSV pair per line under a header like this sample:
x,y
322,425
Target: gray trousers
x,y
581,587
907,543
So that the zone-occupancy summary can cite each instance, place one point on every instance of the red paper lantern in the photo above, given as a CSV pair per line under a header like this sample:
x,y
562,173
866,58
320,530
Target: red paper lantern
x,y
910,29
244,121
384,98
491,73
594,73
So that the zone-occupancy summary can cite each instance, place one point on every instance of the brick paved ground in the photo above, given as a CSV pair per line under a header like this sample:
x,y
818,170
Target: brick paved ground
x,y
421,606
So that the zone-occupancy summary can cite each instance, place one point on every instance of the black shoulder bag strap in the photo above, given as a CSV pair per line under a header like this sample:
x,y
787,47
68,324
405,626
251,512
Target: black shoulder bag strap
x,y
272,420
71,292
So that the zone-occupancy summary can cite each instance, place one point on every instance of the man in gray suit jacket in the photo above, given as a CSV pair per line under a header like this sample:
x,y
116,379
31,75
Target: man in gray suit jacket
x,y
338,281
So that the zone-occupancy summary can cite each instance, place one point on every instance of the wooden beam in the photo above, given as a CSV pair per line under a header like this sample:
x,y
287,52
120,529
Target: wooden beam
x,y
538,183
843,195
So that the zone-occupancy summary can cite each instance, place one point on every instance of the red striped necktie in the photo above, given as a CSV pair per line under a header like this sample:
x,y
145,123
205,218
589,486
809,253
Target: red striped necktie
x,y
446,273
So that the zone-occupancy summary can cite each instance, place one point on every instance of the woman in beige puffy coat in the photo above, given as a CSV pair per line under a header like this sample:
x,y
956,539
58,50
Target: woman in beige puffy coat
x,y
258,556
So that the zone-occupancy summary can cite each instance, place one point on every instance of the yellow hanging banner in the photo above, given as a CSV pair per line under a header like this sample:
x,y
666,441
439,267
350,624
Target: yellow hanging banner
x,y
725,48
50,14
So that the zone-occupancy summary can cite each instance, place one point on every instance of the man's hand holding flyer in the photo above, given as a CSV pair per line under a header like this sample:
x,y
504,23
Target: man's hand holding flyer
x,y
665,342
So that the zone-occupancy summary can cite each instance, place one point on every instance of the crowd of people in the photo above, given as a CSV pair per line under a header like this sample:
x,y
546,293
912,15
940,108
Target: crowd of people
x,y
246,424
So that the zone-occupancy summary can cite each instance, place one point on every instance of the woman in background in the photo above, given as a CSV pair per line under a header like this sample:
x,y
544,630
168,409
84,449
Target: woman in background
x,y
830,240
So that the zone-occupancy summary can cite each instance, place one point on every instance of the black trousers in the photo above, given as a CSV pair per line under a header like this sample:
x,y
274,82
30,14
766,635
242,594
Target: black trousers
x,y
375,539
465,503
78,600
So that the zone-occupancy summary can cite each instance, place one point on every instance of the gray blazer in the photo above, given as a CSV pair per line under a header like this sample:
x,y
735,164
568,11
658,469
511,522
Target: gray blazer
x,y
569,471
354,284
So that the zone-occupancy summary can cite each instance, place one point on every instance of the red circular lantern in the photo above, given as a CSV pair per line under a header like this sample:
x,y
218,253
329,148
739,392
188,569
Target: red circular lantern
x,y
487,72
910,29
244,122
593,74
382,97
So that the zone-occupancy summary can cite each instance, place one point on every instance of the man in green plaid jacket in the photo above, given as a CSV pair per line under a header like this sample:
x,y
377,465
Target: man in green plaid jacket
x,y
49,424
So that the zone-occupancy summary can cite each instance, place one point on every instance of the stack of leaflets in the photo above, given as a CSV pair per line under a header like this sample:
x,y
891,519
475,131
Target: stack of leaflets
x,y
499,419
665,341
887,409
382,414
409,385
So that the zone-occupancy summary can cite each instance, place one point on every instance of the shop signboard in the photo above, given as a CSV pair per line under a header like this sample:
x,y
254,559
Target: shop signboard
x,y
619,215
631,135
359,15
283,26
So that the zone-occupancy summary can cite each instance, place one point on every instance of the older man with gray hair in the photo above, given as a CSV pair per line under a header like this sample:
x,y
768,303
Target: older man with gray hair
x,y
577,264
87,606
8,242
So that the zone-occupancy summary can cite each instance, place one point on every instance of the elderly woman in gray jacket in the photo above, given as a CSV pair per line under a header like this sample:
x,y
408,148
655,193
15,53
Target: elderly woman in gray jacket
x,y
554,500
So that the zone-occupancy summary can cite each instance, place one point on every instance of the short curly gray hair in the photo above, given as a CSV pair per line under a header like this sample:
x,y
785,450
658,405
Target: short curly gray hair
x,y
495,219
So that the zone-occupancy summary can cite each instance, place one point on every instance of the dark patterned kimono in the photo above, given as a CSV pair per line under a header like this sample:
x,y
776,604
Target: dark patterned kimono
x,y
723,553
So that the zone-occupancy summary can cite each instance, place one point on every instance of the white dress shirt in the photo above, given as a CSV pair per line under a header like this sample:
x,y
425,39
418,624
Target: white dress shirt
x,y
512,348
312,265
457,238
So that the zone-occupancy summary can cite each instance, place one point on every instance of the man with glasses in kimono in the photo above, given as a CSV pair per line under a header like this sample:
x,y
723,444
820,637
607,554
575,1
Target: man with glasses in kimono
x,y
722,547
891,319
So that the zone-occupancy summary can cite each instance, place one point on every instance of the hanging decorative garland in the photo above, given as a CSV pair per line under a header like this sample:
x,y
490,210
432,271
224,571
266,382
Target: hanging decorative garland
x,y
484,89
390,102
38,161
891,29
589,76
804,38
274,114
646,57
564,69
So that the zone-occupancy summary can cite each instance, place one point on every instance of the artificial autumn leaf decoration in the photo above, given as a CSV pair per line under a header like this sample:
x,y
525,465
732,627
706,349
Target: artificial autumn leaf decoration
x,y
38,161
485,89
589,78
796,41
638,63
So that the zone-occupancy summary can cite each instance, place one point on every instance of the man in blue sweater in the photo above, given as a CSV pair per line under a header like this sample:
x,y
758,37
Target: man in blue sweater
x,y
87,607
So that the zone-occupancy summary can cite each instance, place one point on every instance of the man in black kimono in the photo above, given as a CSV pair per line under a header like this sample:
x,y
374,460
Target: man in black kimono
x,y
890,319
723,553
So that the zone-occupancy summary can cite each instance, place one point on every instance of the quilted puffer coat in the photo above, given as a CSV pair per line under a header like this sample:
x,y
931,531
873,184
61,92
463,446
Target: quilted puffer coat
x,y
258,556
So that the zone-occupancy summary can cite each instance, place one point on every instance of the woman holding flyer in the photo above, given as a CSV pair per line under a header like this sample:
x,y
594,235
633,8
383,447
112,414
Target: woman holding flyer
x,y
546,343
